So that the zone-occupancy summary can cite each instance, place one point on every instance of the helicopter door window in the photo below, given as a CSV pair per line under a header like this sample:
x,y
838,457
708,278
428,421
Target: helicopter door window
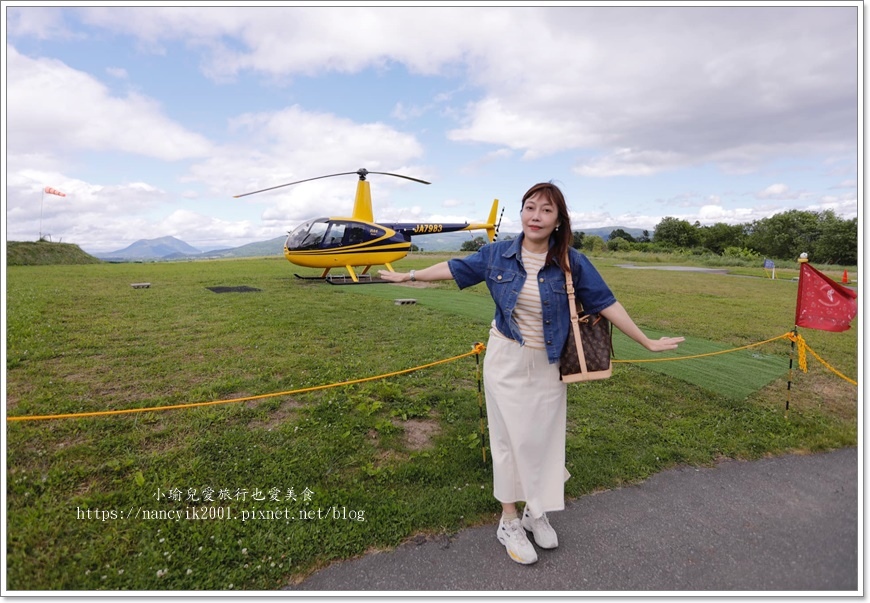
x,y
335,235
355,235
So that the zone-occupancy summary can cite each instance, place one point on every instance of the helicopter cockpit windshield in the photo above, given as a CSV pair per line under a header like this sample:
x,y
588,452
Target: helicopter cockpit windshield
x,y
324,233
308,235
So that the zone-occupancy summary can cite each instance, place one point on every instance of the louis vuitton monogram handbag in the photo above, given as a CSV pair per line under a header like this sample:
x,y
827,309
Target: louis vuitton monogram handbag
x,y
589,347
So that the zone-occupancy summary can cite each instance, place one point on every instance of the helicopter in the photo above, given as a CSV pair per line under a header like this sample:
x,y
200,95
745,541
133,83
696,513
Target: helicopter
x,y
358,241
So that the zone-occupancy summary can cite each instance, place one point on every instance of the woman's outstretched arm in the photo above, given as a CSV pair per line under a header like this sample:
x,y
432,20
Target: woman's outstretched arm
x,y
436,272
618,316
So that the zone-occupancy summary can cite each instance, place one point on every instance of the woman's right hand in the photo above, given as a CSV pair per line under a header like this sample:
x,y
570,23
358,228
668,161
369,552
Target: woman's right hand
x,y
436,272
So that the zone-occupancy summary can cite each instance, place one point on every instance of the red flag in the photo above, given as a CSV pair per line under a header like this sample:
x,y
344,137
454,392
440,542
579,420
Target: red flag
x,y
823,303
54,191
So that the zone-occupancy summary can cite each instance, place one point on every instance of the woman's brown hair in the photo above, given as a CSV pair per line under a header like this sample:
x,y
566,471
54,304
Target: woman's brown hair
x,y
563,237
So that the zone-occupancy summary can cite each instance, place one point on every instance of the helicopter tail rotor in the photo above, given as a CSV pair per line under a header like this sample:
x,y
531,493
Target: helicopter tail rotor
x,y
362,173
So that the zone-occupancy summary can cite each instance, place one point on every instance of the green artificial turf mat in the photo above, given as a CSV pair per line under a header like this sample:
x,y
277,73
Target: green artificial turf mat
x,y
735,374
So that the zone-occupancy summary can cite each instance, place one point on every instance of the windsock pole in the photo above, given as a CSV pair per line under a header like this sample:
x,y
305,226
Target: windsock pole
x,y
41,203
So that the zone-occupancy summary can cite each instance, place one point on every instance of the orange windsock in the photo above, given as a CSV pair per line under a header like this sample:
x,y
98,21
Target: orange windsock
x,y
54,191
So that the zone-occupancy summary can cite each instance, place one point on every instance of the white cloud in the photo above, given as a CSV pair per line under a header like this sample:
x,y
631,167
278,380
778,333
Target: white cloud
x,y
845,206
630,162
117,72
487,159
732,86
275,148
581,221
203,231
776,191
629,91
280,41
66,110
533,132
694,82
720,79
89,214
711,214
40,22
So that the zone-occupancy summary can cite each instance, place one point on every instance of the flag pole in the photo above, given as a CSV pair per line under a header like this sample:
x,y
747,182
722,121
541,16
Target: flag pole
x,y
50,191
803,259
790,371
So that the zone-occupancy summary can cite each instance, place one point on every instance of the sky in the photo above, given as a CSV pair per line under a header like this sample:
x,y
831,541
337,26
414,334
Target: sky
x,y
152,118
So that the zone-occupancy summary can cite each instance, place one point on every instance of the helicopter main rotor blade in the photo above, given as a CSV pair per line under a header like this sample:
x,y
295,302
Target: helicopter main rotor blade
x,y
361,173
263,190
399,176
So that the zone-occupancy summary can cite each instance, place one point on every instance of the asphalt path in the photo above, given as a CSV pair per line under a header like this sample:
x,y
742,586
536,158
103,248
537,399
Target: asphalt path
x,y
675,268
780,525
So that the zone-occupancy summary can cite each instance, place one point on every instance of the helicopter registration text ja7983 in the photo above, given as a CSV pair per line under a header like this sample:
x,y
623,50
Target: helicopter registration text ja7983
x,y
428,228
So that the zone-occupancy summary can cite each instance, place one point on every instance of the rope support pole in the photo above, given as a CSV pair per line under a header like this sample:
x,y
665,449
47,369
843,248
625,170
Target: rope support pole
x,y
480,409
790,372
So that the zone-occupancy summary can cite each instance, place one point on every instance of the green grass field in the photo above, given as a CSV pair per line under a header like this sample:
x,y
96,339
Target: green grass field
x,y
298,481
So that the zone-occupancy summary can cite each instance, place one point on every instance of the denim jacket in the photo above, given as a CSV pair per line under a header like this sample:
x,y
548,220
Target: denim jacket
x,y
500,264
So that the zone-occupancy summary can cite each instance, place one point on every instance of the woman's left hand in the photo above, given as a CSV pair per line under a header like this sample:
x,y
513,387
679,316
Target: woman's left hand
x,y
664,344
617,315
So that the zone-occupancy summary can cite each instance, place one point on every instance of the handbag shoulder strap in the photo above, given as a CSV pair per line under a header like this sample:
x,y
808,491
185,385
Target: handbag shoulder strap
x,y
569,286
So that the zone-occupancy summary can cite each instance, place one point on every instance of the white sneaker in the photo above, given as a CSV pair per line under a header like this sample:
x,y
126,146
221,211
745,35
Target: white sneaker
x,y
513,537
545,535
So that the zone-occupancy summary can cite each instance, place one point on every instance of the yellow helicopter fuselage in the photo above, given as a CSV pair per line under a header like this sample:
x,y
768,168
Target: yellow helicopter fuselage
x,y
377,246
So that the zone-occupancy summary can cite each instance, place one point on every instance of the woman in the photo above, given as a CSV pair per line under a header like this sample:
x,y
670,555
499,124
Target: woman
x,y
526,400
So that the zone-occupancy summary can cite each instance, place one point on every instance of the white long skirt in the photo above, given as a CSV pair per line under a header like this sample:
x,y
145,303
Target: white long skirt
x,y
526,405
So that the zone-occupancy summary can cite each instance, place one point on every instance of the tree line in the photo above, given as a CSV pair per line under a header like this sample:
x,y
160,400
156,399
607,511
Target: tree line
x,y
824,236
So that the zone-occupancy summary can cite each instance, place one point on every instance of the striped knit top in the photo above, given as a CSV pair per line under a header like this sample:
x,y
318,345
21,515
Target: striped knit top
x,y
528,312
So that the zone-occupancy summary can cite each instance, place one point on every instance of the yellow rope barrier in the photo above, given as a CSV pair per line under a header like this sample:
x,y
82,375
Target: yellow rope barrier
x,y
477,349
745,347
802,348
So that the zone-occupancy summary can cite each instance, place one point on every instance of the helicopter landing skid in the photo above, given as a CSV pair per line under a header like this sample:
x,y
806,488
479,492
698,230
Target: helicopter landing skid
x,y
364,279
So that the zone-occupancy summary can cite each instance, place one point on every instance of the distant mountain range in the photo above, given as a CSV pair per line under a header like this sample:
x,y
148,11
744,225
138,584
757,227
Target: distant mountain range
x,y
150,249
171,248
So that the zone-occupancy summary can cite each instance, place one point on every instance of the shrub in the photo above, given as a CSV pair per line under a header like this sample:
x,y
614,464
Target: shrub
x,y
741,252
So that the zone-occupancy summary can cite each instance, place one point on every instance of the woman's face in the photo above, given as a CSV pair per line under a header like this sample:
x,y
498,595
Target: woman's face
x,y
540,218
